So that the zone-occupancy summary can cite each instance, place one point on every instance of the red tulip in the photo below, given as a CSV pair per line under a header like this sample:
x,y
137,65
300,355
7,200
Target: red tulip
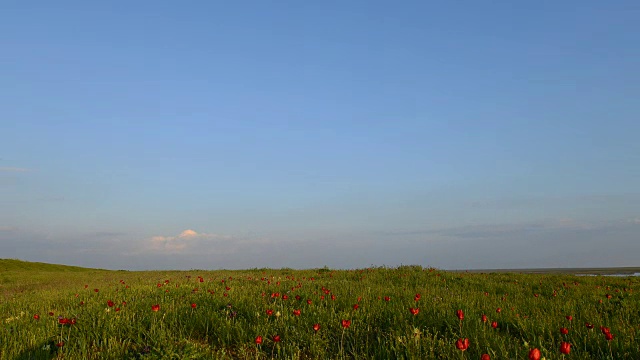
x,y
569,317
605,330
484,318
534,354
333,297
269,312
462,344
316,327
194,305
387,298
309,302
485,357
36,316
460,314
258,340
155,308
63,321
276,338
417,297
285,297
414,311
608,336
296,312
565,347
356,306
110,303
346,323
564,331
494,324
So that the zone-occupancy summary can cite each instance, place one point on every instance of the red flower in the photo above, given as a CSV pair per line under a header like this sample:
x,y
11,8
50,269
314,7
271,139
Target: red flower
x,y
276,338
333,297
316,327
117,309
194,305
96,290
36,316
356,306
484,318
608,336
269,312
498,310
50,313
536,295
534,354
569,317
605,330
258,340
564,331
309,301
110,303
460,314
414,311
72,321
155,308
386,298
462,344
588,325
63,321
346,323
285,297
494,324
565,347
296,312
60,344
485,357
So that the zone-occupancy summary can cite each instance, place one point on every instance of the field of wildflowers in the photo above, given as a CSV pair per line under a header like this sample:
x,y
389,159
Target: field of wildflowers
x,y
407,312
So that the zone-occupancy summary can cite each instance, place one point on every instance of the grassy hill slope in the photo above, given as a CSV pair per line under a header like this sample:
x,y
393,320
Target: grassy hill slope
x,y
19,265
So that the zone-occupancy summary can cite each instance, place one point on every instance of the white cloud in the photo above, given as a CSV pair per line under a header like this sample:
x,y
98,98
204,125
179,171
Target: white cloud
x,y
190,241
13,169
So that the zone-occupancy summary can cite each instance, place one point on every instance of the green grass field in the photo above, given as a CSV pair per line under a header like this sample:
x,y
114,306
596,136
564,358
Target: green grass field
x,y
53,311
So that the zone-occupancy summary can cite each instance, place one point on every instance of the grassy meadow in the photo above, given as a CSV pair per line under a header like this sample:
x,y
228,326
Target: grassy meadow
x,y
53,311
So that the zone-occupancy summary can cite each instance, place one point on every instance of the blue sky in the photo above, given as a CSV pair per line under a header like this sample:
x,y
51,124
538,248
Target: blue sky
x,y
144,135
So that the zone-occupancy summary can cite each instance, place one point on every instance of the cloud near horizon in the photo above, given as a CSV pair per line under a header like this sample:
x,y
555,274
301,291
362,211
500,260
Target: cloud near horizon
x,y
13,169
190,241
